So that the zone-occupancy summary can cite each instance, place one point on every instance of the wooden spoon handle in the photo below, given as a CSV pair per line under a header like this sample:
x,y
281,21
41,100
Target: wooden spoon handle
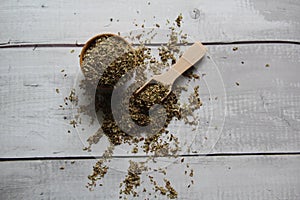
x,y
187,60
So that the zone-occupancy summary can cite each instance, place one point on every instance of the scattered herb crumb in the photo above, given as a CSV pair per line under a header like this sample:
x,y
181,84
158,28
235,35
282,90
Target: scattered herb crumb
x,y
192,173
73,123
235,48
179,20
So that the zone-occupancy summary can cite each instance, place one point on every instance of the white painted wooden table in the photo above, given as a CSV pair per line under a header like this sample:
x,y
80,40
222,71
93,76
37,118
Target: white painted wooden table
x,y
258,154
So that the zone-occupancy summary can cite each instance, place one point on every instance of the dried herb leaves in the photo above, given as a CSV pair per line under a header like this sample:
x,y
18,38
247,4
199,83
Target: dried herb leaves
x,y
105,63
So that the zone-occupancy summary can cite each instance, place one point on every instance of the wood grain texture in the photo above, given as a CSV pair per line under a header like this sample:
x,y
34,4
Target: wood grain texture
x,y
232,178
262,113
77,21
261,109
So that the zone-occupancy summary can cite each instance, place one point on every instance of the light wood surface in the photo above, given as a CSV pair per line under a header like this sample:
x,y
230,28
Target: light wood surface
x,y
262,112
246,177
77,21
262,107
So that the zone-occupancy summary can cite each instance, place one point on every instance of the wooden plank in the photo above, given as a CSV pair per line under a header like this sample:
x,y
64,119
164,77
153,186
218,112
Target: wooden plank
x,y
262,113
71,22
261,109
250,177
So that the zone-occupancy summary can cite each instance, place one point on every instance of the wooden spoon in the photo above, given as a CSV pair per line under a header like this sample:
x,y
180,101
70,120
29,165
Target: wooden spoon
x,y
192,55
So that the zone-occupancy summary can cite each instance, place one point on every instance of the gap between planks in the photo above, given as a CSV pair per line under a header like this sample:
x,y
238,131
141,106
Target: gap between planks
x,y
141,156
23,45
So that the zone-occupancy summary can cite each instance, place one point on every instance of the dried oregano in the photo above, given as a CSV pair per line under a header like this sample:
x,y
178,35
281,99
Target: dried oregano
x,y
105,62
